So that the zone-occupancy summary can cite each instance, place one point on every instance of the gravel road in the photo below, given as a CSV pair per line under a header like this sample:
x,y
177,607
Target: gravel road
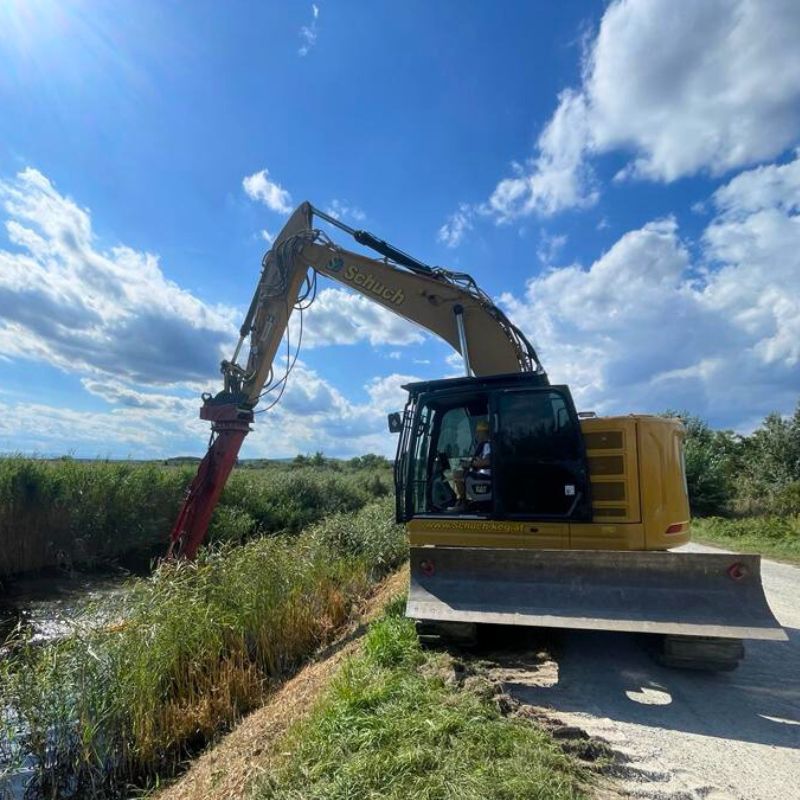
x,y
684,735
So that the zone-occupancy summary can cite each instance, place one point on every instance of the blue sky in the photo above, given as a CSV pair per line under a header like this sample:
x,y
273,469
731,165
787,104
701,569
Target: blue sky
x,y
622,177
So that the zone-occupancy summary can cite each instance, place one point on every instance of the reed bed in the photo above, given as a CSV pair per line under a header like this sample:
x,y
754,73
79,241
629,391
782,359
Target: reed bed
x,y
193,648
68,513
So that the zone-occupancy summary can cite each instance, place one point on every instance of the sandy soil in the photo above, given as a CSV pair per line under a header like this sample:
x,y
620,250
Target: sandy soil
x,y
682,735
225,771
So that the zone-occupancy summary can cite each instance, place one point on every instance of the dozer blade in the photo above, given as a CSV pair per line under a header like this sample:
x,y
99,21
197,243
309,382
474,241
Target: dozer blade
x,y
693,594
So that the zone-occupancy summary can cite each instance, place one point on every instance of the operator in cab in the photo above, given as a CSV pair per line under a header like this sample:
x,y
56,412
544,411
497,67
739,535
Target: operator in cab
x,y
480,465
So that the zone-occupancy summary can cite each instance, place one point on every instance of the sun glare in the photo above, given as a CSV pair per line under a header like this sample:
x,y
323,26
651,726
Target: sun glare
x,y
66,44
28,25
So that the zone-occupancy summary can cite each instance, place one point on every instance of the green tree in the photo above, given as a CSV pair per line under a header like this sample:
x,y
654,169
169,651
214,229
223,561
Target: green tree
x,y
769,478
712,460
373,461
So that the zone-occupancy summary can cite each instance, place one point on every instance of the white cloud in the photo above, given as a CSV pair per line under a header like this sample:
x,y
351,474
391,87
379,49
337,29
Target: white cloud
x,y
64,301
126,396
268,237
558,177
259,187
755,239
454,365
770,187
457,226
386,394
309,33
108,315
341,209
148,348
315,416
550,245
711,88
338,316
136,432
312,415
646,328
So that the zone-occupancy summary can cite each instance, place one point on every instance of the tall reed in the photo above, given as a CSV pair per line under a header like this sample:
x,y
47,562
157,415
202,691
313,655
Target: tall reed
x,y
68,512
192,648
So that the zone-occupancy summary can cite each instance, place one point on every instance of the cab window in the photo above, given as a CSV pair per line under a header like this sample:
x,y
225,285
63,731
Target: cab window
x,y
540,469
455,435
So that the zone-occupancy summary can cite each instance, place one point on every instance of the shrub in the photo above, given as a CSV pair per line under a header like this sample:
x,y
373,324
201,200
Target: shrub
x,y
710,458
770,535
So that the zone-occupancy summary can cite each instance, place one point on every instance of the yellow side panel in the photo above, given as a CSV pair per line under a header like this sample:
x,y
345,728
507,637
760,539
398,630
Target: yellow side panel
x,y
488,533
613,468
665,502
593,536
611,449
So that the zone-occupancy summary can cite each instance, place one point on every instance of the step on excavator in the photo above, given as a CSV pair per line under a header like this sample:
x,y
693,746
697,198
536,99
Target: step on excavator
x,y
519,510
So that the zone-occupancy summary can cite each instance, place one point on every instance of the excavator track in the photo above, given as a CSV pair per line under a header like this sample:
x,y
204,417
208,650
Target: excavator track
x,y
701,653
443,634
705,653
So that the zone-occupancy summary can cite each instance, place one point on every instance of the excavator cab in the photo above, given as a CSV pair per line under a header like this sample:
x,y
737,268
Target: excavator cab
x,y
538,466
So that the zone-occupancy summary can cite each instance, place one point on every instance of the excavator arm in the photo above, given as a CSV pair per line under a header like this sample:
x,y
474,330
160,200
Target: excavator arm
x,y
448,304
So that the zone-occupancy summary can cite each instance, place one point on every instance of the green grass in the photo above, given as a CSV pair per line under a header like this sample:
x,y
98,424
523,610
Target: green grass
x,y
196,646
770,536
80,513
391,726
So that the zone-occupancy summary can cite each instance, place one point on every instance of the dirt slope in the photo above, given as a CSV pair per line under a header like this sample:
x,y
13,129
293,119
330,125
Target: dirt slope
x,y
225,771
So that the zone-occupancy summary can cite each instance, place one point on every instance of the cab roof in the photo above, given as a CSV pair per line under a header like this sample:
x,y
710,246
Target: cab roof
x,y
515,380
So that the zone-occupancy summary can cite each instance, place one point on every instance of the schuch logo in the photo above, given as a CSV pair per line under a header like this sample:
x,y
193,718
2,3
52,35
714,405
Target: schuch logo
x,y
369,283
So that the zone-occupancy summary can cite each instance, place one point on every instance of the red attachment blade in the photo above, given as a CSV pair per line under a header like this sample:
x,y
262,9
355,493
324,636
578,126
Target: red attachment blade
x,y
231,423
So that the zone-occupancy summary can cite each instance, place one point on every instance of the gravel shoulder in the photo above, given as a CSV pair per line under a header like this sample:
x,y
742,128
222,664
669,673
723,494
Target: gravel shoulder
x,y
683,735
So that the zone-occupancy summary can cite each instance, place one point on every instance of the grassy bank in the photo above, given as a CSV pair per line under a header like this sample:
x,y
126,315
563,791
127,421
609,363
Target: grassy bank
x,y
69,513
395,725
197,646
771,536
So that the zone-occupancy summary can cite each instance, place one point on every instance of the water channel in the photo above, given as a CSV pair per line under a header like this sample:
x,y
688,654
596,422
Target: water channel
x,y
46,607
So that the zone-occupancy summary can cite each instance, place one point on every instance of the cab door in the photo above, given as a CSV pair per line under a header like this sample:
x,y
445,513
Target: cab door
x,y
539,459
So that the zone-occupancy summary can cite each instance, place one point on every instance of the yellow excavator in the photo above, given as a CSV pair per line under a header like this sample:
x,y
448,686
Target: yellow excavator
x,y
519,510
